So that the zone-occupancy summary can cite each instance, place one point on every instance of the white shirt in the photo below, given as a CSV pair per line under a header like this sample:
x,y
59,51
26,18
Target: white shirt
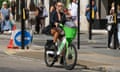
x,y
110,19
73,8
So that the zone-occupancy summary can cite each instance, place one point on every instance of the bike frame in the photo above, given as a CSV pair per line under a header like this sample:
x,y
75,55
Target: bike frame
x,y
62,45
64,42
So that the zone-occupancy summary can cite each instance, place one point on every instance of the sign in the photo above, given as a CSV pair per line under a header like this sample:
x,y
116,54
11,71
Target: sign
x,y
17,38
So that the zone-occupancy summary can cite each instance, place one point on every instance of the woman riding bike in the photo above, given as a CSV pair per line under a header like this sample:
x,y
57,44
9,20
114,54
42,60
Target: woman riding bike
x,y
57,17
61,46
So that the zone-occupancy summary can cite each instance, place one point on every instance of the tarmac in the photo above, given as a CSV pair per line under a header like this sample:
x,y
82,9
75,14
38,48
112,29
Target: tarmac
x,y
88,57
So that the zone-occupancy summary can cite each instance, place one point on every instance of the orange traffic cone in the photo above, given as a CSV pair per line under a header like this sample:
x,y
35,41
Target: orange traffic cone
x,y
11,42
14,28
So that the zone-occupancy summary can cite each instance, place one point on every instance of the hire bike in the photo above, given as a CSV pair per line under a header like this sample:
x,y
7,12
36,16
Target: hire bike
x,y
64,49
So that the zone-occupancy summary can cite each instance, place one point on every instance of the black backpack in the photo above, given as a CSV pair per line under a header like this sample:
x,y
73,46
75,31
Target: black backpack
x,y
49,44
47,30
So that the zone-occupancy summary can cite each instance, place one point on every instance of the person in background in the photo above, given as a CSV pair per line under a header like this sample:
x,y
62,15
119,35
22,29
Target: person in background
x,y
32,15
11,17
118,17
73,8
4,10
7,23
53,7
47,29
13,8
37,18
67,13
69,22
1,20
91,18
94,12
43,14
113,27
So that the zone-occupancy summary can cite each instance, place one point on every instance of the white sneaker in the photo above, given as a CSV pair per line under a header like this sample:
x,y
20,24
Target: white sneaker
x,y
58,53
50,52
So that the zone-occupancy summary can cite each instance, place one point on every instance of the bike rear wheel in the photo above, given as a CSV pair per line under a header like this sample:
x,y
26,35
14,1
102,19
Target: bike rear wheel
x,y
49,56
70,57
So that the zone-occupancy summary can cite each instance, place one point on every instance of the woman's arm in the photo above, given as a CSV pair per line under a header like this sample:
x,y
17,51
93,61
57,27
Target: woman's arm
x,y
53,19
97,15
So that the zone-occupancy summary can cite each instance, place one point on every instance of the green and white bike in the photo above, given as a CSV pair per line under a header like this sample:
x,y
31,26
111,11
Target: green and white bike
x,y
64,49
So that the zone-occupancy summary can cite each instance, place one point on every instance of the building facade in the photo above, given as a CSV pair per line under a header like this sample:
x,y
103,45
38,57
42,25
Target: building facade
x,y
36,2
103,6
103,9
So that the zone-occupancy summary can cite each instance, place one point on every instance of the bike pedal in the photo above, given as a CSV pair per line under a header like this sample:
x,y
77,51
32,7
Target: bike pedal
x,y
56,59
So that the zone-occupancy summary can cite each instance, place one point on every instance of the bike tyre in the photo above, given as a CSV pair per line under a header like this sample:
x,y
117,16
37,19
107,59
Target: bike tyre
x,y
46,59
71,66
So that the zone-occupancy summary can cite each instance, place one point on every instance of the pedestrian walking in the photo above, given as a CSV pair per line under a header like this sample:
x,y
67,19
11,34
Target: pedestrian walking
x,y
32,16
1,20
43,14
91,18
4,10
94,12
113,28
13,8
69,22
73,7
37,18
7,23
40,18
47,29
118,17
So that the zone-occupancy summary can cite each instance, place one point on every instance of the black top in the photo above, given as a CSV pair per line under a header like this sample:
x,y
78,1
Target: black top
x,y
118,16
54,18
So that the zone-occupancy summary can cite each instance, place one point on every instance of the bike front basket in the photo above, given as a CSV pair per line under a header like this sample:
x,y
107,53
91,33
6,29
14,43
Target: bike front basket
x,y
70,32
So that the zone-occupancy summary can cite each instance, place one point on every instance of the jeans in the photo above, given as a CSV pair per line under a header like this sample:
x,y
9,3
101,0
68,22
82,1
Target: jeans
x,y
6,25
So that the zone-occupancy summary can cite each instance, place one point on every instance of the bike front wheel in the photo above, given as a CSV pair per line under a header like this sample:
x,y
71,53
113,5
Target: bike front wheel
x,y
70,57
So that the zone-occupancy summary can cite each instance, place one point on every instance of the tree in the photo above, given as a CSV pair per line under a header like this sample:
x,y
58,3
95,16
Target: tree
x,y
1,1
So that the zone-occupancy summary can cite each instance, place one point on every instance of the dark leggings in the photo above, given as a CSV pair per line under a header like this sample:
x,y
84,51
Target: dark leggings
x,y
111,33
0,27
37,25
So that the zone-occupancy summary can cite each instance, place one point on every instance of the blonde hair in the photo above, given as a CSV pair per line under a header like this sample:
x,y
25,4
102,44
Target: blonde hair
x,y
118,7
113,4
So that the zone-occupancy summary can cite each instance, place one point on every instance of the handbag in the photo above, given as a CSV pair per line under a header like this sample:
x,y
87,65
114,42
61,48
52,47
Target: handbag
x,y
109,27
45,13
110,21
47,30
